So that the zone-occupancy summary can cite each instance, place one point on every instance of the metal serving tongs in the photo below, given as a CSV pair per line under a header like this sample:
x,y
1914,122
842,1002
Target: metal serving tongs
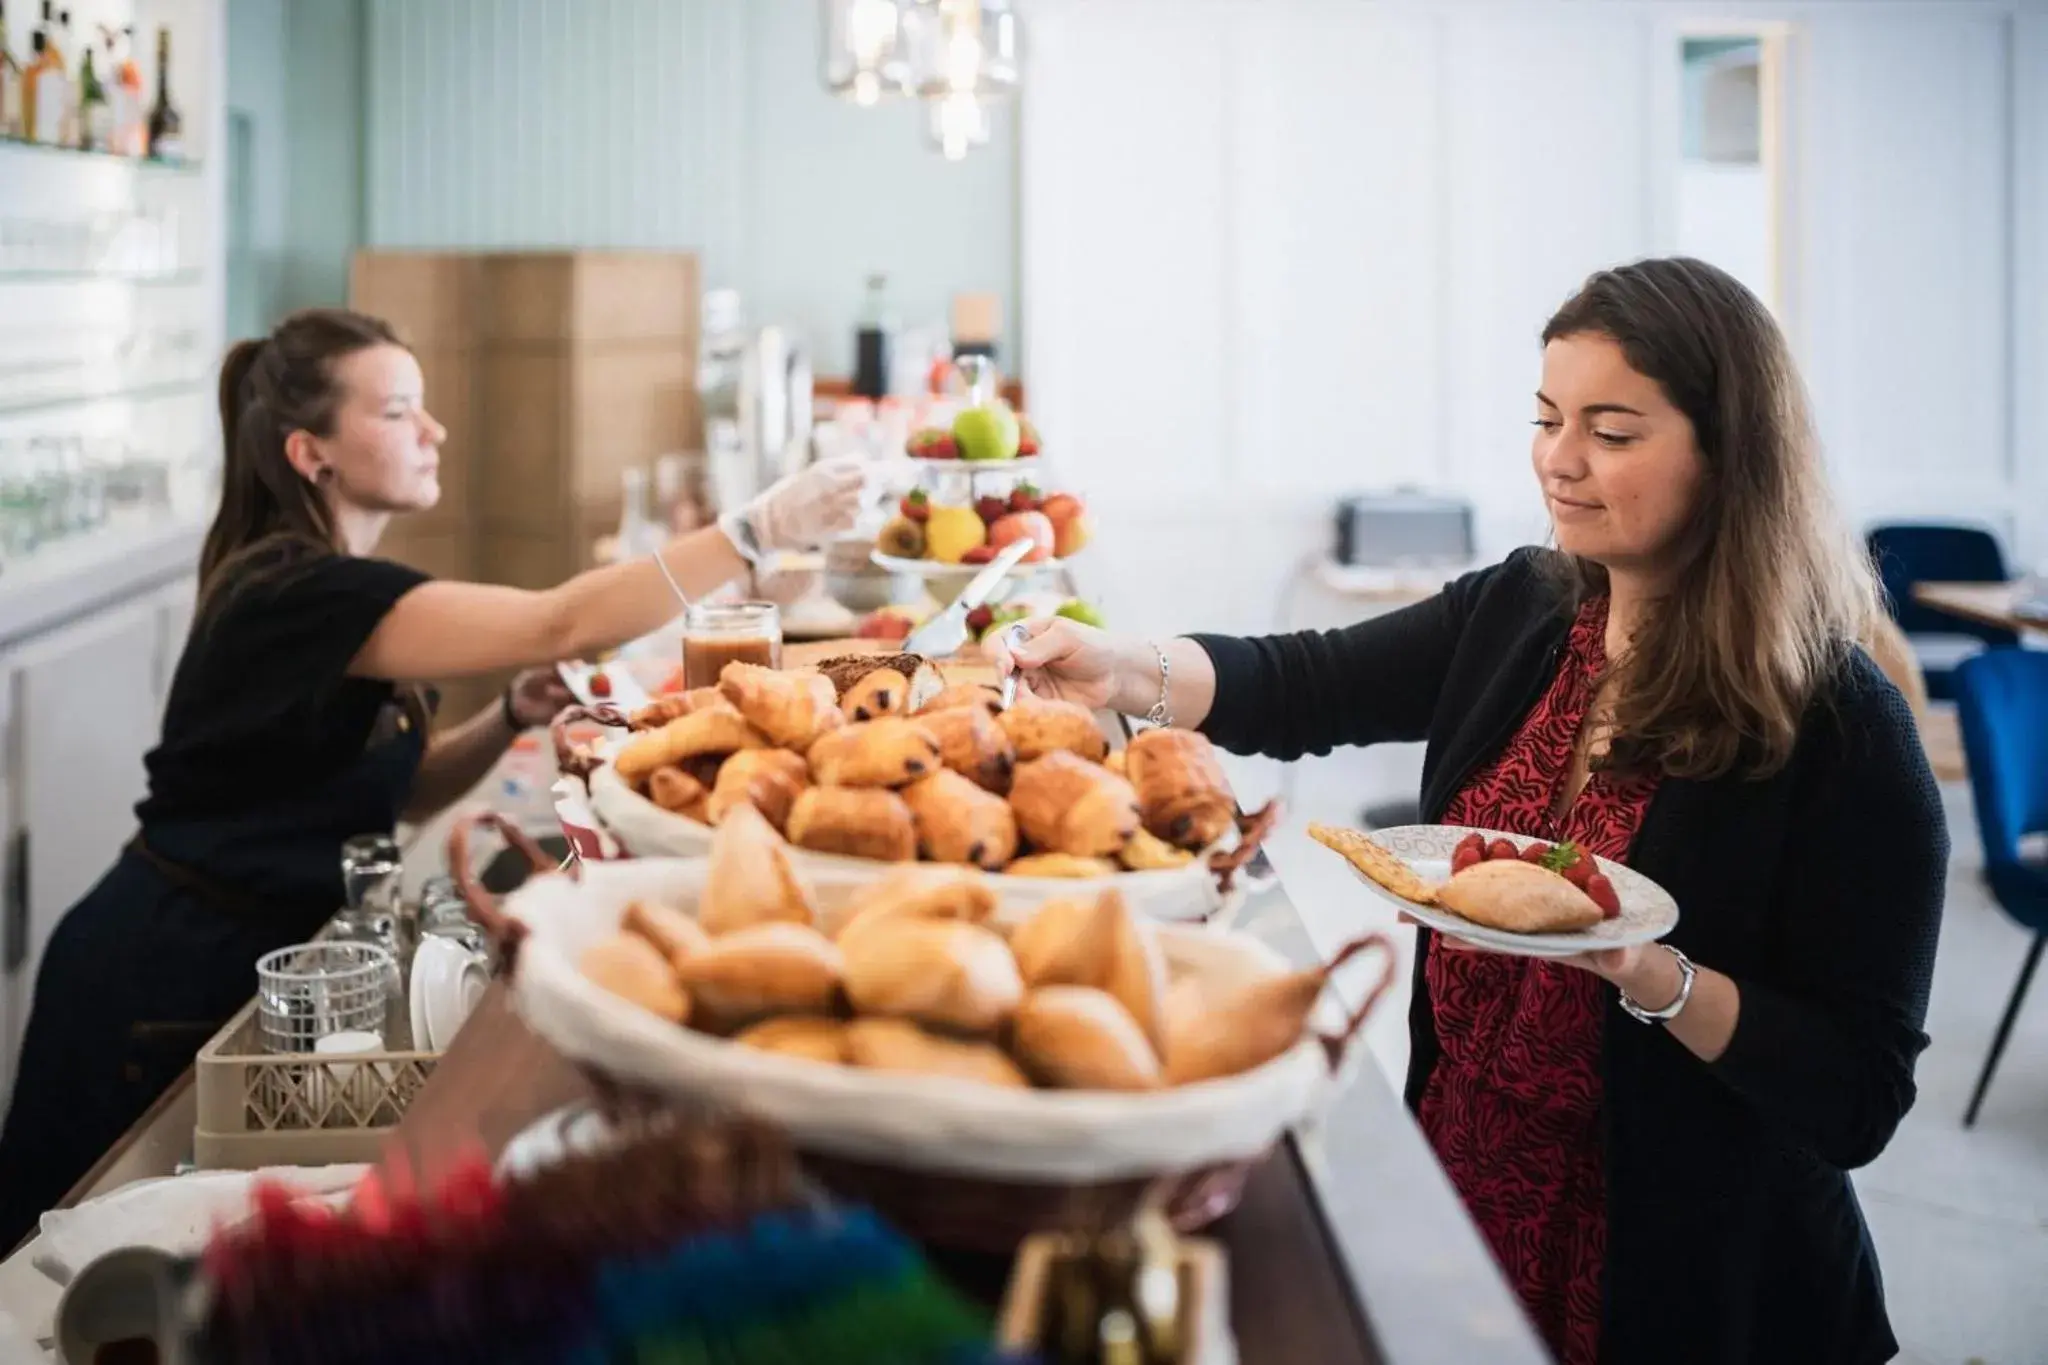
x,y
1013,635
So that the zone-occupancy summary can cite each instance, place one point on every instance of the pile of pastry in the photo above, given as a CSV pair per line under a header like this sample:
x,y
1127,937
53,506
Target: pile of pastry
x,y
915,975
870,757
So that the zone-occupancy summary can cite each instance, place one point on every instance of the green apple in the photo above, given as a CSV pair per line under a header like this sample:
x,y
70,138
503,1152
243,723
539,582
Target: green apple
x,y
1084,612
989,432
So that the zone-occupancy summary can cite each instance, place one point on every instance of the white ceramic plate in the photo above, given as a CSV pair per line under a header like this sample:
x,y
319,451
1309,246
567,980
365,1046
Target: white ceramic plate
x,y
1022,463
932,568
1647,911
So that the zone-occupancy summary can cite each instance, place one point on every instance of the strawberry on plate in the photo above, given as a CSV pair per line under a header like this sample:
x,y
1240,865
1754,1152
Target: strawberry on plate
x,y
917,505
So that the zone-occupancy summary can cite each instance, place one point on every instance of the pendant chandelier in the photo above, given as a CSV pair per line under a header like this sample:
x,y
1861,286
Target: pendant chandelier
x,y
958,56
866,57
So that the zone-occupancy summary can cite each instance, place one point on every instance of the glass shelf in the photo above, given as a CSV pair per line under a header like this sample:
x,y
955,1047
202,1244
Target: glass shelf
x,y
139,277
165,389
144,163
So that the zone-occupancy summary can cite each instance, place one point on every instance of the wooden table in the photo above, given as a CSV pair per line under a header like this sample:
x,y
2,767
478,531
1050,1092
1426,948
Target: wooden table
x,y
1987,604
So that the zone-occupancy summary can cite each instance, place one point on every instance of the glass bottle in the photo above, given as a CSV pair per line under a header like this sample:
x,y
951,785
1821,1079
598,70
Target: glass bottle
x,y
872,341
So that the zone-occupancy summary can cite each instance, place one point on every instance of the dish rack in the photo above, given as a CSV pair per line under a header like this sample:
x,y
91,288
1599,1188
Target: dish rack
x,y
259,1108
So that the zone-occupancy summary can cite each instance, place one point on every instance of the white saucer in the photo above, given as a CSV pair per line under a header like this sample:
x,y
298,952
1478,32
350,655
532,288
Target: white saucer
x,y
447,983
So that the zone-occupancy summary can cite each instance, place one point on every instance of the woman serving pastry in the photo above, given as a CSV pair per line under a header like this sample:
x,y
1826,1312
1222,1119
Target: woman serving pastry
x,y
295,719
1655,1140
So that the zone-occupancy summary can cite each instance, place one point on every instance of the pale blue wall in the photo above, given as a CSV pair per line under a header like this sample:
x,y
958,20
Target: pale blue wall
x,y
256,87
324,143
669,123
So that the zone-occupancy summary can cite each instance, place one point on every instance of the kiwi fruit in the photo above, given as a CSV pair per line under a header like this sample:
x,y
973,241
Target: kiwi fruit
x,y
902,538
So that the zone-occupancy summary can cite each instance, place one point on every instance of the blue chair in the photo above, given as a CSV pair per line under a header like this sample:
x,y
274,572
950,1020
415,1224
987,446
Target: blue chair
x,y
1906,554
2002,701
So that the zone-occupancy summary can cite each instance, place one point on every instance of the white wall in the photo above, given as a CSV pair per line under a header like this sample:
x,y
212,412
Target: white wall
x,y
1275,250
675,123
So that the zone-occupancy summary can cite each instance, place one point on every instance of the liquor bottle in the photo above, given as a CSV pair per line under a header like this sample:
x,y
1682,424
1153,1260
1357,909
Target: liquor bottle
x,y
67,61
10,82
46,89
872,342
166,126
95,115
131,116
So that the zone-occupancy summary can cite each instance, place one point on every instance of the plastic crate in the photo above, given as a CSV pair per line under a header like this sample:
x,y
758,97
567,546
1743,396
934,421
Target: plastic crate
x,y
258,1108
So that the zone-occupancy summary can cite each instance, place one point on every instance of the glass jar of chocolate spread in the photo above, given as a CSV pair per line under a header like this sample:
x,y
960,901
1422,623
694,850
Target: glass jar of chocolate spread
x,y
718,633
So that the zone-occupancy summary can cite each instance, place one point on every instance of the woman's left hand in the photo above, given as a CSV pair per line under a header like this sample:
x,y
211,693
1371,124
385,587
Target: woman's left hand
x,y
537,696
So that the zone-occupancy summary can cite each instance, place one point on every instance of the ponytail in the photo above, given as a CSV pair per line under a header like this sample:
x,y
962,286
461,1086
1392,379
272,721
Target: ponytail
x,y
270,388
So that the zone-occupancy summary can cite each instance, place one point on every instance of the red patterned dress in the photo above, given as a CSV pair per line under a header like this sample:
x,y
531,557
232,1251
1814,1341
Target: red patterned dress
x,y
1512,1106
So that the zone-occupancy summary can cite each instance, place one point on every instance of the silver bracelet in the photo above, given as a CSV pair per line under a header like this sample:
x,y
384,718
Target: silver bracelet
x,y
1686,972
1159,715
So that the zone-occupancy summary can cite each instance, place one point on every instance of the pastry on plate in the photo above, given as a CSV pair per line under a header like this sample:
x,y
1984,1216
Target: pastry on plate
x,y
1376,861
711,730
766,779
958,822
1519,897
859,822
1038,727
1066,804
1182,793
750,878
891,752
791,709
973,745
847,670
884,692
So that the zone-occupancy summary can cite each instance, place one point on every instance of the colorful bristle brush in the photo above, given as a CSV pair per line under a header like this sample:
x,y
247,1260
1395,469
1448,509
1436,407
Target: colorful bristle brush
x,y
679,1246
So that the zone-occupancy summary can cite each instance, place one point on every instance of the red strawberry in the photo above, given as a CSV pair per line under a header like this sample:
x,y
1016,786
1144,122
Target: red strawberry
x,y
917,505
1474,842
1467,855
1027,438
600,684
980,619
1502,848
991,509
1572,863
980,554
1536,853
1024,498
945,447
1601,891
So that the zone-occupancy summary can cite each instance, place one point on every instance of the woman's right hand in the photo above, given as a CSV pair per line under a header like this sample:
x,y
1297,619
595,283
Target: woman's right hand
x,y
1061,659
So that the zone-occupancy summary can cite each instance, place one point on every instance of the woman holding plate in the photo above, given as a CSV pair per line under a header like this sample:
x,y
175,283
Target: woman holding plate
x,y
1655,1139
297,718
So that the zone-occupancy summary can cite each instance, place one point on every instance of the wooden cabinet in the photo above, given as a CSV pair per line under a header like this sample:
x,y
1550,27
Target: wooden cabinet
x,y
554,372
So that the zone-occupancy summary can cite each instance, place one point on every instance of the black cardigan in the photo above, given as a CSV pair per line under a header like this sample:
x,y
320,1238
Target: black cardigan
x,y
1733,1235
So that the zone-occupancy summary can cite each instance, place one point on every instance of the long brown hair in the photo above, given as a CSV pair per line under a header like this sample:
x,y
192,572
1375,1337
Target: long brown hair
x,y
1770,592
269,388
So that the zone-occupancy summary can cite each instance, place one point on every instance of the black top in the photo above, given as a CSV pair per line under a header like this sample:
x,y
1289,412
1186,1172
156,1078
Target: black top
x,y
271,754
1733,1233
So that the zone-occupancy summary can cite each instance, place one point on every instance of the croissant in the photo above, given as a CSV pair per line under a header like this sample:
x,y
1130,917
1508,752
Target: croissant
x,y
750,879
1182,793
791,709
973,745
1066,804
766,779
1082,1039
633,969
1038,727
889,752
710,730
958,822
898,1045
915,892
1065,866
673,789
942,972
1097,943
671,931
798,1035
767,969
671,706
860,822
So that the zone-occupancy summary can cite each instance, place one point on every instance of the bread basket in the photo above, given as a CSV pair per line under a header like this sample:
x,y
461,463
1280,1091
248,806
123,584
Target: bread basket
x,y
957,1164
1213,885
